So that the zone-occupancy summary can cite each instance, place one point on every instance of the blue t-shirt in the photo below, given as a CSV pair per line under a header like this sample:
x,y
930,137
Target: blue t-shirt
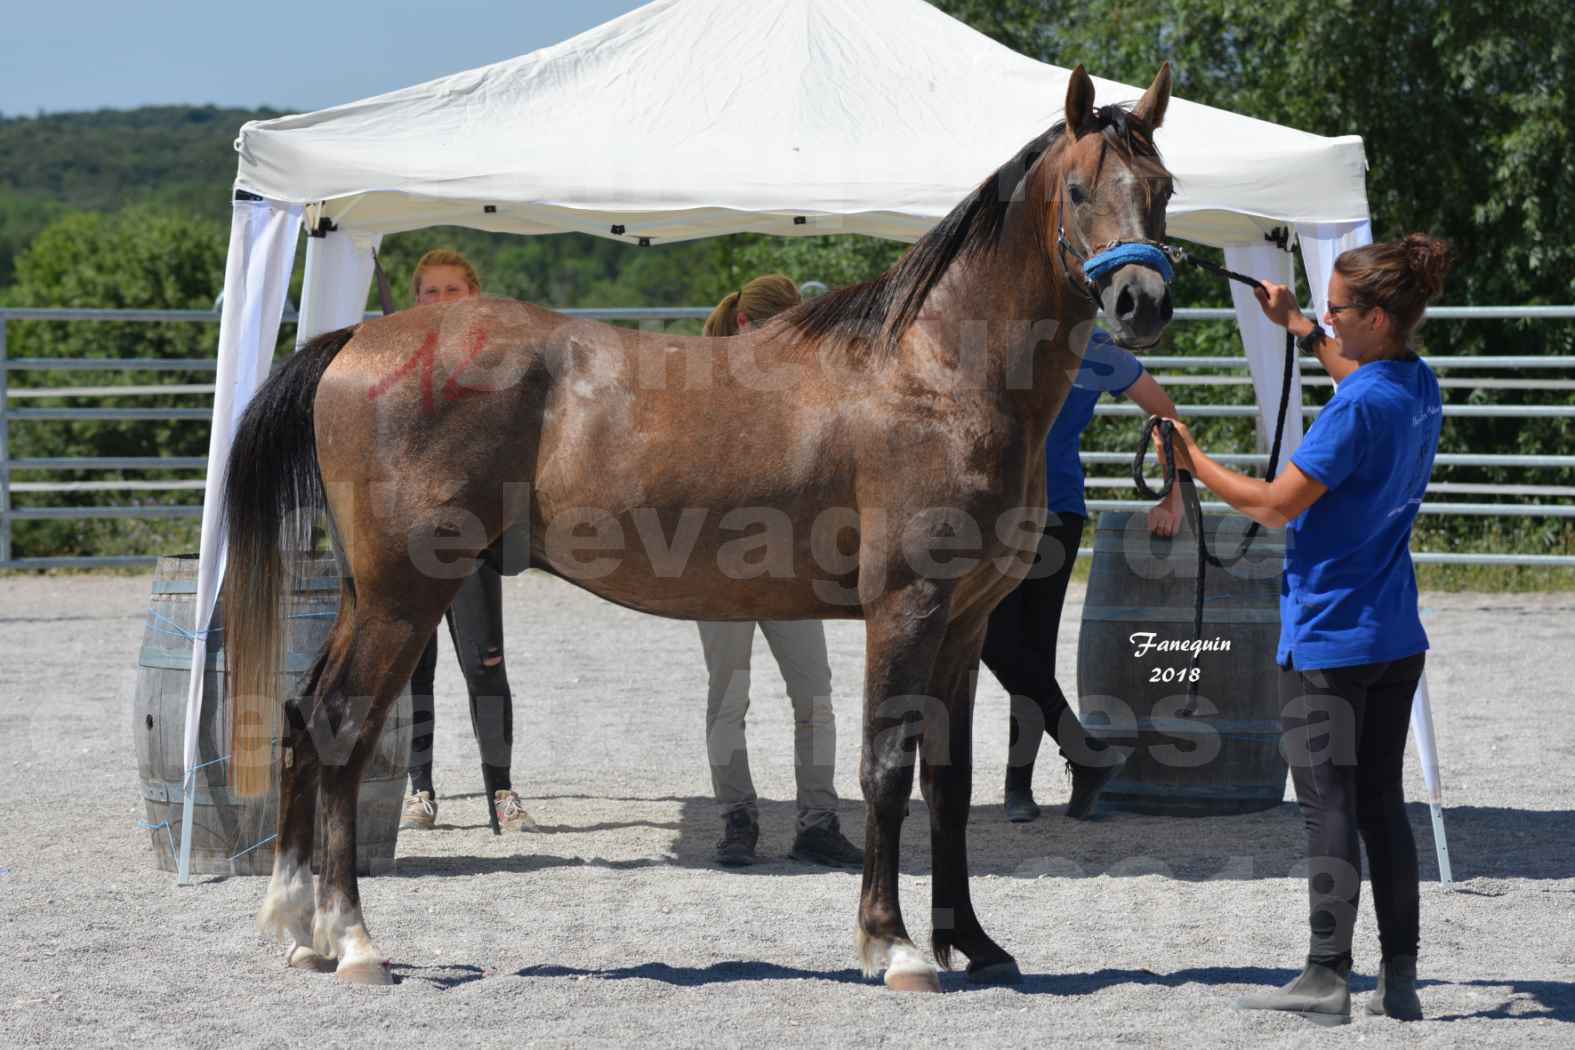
x,y
1349,593
1106,368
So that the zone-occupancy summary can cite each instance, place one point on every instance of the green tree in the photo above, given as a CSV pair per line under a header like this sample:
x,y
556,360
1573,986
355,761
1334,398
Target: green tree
x,y
1465,109
143,257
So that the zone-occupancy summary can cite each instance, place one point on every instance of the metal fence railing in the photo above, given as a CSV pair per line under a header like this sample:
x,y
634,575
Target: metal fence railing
x,y
1537,495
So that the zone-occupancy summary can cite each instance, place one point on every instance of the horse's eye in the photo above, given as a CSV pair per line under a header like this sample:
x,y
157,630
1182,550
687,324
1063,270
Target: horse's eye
x,y
1076,193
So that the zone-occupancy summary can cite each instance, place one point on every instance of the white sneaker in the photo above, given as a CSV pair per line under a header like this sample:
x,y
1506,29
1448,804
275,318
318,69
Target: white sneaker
x,y
511,812
420,813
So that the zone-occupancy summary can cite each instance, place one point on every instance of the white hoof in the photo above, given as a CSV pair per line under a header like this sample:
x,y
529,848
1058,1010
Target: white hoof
x,y
910,971
303,958
373,972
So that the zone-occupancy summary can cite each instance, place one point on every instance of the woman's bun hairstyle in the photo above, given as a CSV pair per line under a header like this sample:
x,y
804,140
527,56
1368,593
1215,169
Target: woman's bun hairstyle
x,y
1430,260
1400,277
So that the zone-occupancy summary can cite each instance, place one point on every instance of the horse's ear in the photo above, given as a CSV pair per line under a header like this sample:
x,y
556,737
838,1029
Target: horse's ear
x,y
1151,107
1079,102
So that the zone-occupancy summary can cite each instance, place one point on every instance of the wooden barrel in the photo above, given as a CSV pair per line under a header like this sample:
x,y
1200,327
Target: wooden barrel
x,y
1134,653
232,836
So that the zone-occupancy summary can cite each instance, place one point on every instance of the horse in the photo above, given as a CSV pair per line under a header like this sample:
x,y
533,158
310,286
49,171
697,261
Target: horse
x,y
875,454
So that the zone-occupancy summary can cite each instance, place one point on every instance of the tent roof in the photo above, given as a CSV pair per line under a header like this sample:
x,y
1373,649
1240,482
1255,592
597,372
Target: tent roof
x,y
691,118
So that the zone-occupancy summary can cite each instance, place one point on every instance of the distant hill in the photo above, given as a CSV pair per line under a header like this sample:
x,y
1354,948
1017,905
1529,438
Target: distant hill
x,y
104,160
179,156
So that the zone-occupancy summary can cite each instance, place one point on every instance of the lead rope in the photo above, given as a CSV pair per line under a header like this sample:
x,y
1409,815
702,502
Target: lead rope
x,y
1189,490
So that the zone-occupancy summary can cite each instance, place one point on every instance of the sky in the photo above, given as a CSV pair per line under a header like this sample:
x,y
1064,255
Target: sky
x,y
294,55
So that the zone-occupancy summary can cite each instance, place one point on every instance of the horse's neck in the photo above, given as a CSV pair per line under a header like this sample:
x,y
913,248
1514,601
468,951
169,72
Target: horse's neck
x,y
1034,325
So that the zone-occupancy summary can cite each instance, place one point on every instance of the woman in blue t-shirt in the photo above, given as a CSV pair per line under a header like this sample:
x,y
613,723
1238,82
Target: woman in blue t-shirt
x,y
1020,642
1349,624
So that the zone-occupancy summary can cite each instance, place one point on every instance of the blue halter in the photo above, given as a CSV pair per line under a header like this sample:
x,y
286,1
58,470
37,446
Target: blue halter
x,y
1123,254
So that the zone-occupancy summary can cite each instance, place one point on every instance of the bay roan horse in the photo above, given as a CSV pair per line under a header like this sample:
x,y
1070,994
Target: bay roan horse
x,y
877,453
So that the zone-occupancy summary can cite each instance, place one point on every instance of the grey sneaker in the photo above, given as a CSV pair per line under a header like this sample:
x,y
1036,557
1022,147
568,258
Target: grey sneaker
x,y
736,849
420,812
511,812
825,844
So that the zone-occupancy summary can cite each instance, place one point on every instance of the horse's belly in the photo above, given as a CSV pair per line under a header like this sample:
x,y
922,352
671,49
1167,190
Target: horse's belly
x,y
773,559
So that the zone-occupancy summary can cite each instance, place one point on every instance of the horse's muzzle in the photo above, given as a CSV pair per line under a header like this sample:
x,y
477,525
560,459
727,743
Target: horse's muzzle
x,y
1137,305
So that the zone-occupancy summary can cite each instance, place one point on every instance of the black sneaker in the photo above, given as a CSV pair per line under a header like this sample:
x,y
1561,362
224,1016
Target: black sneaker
x,y
825,844
1087,783
737,846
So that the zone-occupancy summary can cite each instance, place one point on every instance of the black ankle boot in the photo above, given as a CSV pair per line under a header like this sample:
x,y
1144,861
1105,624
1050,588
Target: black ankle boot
x,y
1396,995
1020,804
1320,994
1088,782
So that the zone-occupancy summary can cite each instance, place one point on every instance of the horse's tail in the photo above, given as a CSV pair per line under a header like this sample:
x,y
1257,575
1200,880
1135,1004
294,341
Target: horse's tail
x,y
273,472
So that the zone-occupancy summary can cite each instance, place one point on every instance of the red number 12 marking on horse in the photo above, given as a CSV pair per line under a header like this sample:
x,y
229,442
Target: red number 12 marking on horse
x,y
425,359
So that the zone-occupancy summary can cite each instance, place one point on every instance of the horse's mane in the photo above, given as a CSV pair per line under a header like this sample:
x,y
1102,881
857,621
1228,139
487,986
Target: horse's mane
x,y
877,313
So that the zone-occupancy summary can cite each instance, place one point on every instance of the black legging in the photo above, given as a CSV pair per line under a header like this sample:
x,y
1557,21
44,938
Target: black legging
x,y
1019,649
475,624
1345,731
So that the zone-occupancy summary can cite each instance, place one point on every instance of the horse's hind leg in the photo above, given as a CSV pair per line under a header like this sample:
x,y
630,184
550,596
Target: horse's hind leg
x,y
946,778
286,911
360,684
903,633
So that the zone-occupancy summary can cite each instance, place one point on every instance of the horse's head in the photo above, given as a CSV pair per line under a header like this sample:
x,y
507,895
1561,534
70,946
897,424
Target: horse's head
x,y
1105,189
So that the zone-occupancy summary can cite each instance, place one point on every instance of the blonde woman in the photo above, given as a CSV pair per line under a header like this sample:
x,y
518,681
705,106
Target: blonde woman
x,y
475,625
800,650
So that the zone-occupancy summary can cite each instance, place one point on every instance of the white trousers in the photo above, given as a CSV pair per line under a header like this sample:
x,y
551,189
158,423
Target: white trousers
x,y
800,649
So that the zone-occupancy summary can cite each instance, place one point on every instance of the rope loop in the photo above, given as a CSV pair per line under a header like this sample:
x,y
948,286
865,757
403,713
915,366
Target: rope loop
x,y
1167,435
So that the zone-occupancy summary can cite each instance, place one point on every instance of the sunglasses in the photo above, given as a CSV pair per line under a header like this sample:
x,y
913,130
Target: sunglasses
x,y
1334,309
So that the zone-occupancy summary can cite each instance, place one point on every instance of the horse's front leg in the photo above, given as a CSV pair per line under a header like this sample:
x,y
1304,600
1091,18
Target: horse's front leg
x,y
286,911
904,631
946,778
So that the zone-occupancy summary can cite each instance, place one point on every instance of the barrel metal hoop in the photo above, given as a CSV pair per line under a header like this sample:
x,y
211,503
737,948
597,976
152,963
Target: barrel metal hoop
x,y
1139,615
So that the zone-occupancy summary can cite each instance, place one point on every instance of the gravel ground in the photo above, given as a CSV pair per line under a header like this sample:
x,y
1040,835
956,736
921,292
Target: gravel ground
x,y
614,928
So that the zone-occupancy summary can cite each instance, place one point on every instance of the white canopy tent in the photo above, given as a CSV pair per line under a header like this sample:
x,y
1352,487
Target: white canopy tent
x,y
696,118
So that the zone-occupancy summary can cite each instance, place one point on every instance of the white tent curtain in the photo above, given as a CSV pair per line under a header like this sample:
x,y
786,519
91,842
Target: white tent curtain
x,y
1322,244
256,280
338,276
1264,342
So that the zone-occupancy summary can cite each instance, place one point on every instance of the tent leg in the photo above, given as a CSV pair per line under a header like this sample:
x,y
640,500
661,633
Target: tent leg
x,y
1446,875
188,803
1427,751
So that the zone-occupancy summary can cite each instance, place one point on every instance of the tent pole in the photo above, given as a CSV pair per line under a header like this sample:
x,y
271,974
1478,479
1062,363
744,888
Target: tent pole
x,y
1427,750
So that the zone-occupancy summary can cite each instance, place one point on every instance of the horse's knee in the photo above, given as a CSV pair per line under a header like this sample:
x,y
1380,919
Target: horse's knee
x,y
887,781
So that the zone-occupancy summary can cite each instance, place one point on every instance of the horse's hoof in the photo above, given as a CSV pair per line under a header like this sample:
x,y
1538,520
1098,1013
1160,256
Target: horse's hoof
x,y
366,973
914,981
912,975
301,958
995,973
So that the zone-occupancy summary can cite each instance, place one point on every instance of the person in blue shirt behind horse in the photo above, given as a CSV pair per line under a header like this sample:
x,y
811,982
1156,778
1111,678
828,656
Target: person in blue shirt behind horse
x,y
1020,642
1349,623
